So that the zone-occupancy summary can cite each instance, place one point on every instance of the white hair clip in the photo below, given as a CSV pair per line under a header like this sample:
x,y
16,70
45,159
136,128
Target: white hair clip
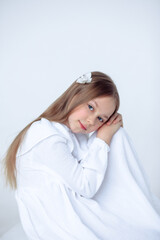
x,y
85,78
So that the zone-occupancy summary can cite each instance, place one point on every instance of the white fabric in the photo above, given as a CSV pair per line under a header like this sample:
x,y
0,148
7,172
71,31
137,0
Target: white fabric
x,y
74,187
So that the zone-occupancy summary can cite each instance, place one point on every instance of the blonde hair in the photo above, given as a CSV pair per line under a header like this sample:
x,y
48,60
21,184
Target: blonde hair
x,y
59,110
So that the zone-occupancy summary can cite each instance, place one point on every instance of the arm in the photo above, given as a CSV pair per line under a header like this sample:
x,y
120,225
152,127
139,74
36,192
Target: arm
x,y
85,178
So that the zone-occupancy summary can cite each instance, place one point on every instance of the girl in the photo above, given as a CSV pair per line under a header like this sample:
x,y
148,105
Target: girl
x,y
76,173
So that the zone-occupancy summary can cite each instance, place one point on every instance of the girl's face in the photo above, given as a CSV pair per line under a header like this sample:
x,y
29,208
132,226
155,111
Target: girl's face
x,y
88,117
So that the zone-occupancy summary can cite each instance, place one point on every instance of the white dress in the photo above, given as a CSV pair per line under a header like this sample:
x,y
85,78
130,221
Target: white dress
x,y
75,187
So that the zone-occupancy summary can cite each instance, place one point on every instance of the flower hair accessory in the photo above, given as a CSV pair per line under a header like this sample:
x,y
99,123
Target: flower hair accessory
x,y
85,78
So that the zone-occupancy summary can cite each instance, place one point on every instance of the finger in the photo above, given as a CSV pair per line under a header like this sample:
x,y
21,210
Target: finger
x,y
119,118
121,123
112,118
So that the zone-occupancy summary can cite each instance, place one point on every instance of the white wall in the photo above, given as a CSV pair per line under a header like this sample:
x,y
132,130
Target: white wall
x,y
46,45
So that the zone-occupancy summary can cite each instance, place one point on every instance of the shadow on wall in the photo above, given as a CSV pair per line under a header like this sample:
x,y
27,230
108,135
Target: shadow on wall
x,y
16,233
7,201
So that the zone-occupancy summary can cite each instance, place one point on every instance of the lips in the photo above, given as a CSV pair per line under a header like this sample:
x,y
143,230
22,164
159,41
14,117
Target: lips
x,y
83,127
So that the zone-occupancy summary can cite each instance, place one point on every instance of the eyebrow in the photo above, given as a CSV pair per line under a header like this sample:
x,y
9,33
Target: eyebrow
x,y
97,106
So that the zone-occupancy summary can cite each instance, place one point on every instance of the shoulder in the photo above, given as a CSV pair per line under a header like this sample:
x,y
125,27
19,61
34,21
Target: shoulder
x,y
41,130
45,128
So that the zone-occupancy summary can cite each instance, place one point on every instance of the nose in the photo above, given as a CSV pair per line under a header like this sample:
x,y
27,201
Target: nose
x,y
91,120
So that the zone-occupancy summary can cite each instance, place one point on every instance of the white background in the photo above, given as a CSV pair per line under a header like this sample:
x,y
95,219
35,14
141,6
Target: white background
x,y
46,45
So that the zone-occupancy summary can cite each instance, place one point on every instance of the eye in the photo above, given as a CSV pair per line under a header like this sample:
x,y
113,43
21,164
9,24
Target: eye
x,y
100,119
91,108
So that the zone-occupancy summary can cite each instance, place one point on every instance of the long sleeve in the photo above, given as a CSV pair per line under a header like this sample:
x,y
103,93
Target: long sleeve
x,y
84,178
55,171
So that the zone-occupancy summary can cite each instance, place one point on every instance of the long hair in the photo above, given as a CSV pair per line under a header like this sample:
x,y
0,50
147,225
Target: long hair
x,y
59,110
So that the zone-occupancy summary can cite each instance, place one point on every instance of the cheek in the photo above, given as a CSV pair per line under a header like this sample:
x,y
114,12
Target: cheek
x,y
79,113
82,113
98,125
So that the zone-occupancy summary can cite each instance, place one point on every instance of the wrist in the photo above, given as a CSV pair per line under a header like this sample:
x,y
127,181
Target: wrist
x,y
107,139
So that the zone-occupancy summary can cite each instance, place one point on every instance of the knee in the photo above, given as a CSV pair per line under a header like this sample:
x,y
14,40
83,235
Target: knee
x,y
121,133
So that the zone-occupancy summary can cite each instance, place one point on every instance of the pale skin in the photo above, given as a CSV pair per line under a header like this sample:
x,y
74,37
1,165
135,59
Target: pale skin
x,y
93,115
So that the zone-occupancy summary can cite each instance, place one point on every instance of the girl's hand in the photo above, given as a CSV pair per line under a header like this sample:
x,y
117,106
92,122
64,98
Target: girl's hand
x,y
107,130
117,117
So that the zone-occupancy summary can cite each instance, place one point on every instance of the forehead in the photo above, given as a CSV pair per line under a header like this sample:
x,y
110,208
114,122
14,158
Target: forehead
x,y
106,101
